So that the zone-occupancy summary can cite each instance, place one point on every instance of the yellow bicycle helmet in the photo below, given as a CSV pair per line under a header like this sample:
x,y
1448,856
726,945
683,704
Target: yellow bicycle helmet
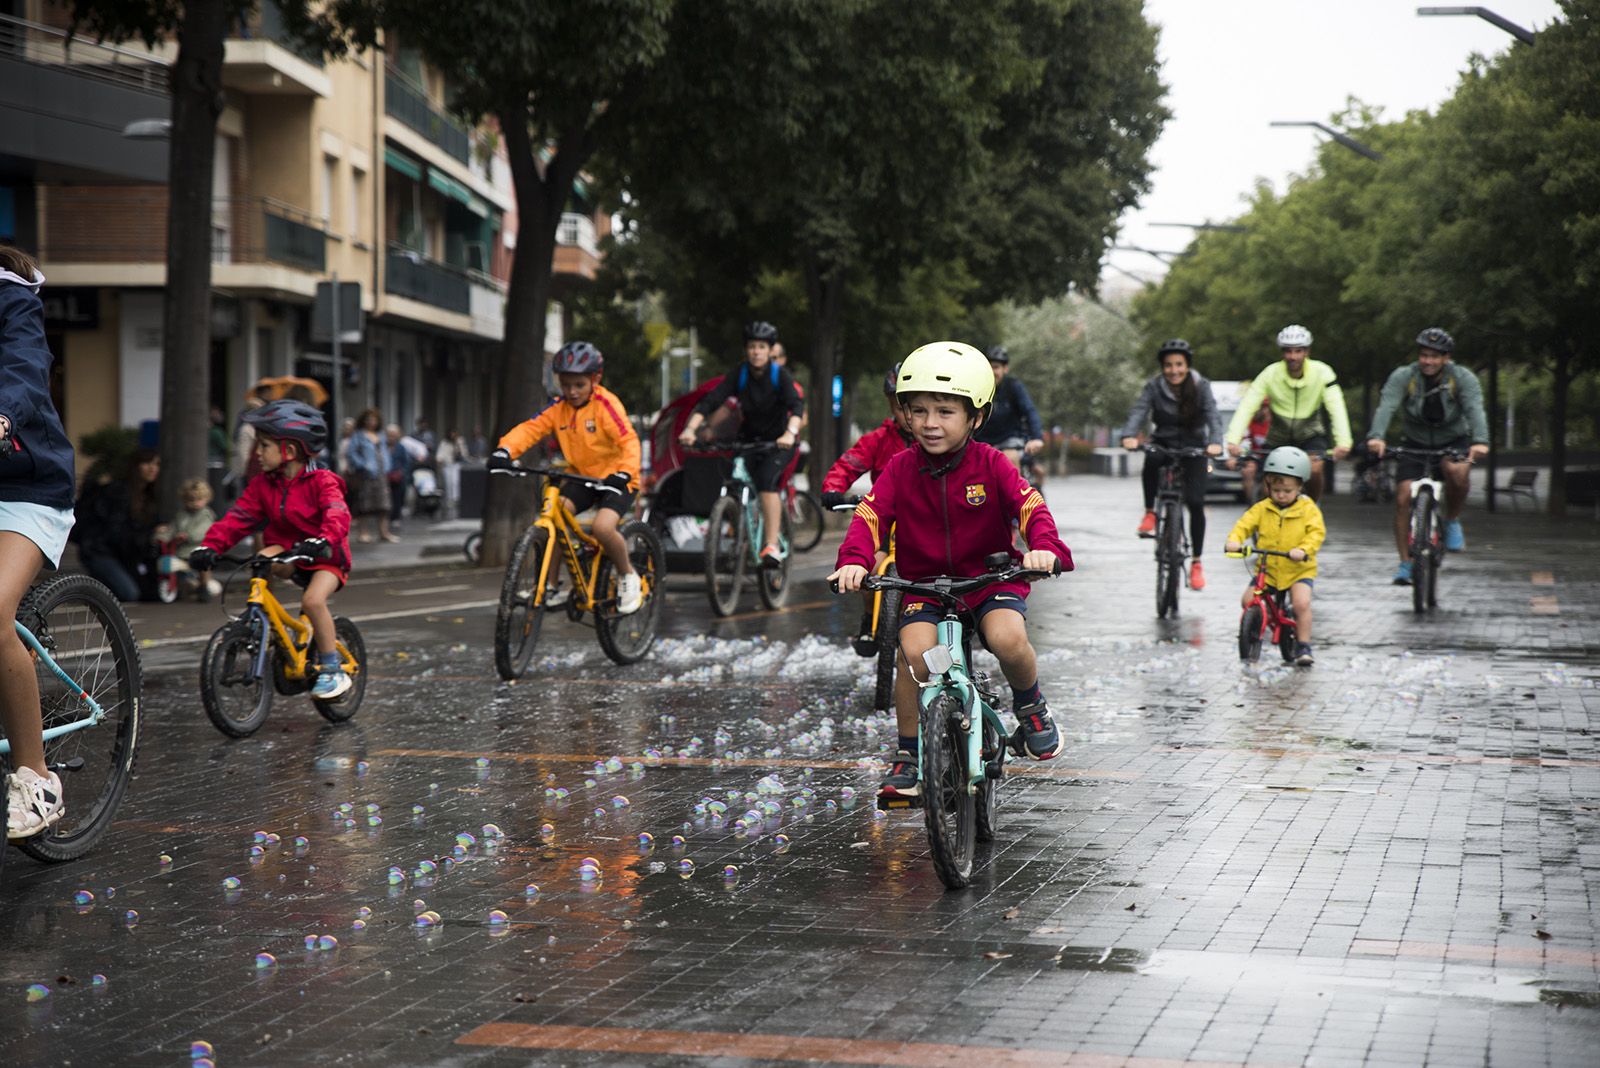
x,y
948,367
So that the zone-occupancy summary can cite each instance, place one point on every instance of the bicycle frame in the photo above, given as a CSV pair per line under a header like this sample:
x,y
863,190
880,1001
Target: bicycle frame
x,y
291,635
564,529
95,712
956,678
742,486
1273,613
877,595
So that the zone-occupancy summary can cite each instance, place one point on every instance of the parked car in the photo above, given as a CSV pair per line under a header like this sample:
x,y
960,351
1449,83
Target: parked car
x,y
1226,484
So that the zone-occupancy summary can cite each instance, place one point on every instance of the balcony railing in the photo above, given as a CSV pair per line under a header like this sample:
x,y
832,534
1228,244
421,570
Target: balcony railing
x,y
410,274
406,102
48,46
128,224
577,231
268,26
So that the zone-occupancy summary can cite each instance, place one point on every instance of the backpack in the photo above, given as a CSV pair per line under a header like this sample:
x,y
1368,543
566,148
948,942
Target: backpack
x,y
744,375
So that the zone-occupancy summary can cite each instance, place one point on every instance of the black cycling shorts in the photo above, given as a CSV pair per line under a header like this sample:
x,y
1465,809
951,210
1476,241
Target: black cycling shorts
x,y
1407,468
584,498
918,611
1316,444
766,468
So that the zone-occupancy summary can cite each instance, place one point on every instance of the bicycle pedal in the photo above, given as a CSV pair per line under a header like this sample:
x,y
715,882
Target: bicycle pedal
x,y
898,804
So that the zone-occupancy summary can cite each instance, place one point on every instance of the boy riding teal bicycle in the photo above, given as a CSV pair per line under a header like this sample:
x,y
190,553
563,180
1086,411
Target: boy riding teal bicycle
x,y
952,501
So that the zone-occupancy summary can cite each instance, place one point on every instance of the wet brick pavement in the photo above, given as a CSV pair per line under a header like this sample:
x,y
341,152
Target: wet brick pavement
x,y
1388,859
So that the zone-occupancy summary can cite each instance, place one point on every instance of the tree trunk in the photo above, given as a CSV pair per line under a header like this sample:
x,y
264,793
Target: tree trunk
x,y
541,196
825,295
1560,382
186,308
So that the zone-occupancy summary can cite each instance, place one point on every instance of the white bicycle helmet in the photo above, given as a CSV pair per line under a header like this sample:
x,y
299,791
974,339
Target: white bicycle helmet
x,y
1288,460
1294,336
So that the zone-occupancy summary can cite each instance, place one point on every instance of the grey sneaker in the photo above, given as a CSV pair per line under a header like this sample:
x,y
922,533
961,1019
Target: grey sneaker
x,y
901,784
1036,735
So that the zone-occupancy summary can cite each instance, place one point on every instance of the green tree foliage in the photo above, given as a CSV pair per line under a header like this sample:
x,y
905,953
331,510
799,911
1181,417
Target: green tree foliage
x,y
1081,361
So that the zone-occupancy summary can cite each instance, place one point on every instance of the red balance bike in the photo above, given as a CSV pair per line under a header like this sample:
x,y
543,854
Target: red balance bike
x,y
1269,616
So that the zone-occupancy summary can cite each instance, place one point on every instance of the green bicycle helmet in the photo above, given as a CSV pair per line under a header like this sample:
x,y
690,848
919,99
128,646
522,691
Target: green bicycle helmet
x,y
1288,460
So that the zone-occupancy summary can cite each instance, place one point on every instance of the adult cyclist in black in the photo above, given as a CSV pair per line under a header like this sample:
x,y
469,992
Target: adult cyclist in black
x,y
1013,425
770,409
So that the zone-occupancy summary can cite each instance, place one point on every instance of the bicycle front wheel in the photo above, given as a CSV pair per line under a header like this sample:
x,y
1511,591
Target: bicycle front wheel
x,y
519,618
1424,550
725,552
888,644
235,697
948,807
353,657
1169,560
1250,633
82,626
805,521
626,639
772,583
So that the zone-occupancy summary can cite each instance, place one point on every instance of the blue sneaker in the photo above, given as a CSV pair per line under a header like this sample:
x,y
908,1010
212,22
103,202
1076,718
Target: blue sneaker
x,y
1402,574
331,687
1454,540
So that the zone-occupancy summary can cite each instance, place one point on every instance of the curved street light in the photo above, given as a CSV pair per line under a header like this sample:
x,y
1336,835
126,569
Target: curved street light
x,y
1520,33
1338,135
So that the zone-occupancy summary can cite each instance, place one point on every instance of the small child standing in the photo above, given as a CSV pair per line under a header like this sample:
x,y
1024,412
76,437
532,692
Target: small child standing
x,y
1286,521
189,530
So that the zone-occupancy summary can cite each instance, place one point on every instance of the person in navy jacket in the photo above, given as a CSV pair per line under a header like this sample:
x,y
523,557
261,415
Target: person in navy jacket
x,y
36,485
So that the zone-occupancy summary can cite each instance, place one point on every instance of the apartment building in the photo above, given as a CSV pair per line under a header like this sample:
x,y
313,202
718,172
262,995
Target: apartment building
x,y
350,170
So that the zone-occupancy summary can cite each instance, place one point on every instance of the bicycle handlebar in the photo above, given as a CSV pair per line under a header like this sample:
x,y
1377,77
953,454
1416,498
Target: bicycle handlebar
x,y
1250,550
1427,454
947,588
592,483
712,448
1183,452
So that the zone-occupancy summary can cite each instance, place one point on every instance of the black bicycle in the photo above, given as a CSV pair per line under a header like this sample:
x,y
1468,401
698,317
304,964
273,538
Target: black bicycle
x,y
1425,541
1172,539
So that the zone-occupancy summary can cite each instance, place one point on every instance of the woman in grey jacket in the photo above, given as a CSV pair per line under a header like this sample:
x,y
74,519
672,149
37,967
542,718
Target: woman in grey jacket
x,y
1179,402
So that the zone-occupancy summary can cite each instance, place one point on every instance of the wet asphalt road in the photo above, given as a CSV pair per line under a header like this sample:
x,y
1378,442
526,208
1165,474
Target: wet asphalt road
x,y
1390,858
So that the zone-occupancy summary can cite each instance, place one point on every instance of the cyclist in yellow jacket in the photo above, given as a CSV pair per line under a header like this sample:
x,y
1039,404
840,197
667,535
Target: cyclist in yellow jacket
x,y
599,442
1287,522
1298,389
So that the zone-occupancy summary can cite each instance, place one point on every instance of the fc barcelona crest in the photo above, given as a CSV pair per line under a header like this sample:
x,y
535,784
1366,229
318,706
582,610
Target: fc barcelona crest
x,y
589,426
975,494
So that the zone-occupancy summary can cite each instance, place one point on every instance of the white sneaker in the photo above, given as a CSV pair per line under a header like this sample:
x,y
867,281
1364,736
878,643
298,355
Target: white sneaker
x,y
332,687
630,594
33,803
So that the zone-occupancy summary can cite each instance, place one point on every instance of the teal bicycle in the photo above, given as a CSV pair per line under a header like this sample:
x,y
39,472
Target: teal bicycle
x,y
735,535
90,685
960,737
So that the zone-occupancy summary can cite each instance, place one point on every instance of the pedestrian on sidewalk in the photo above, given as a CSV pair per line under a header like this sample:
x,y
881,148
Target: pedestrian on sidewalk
x,y
449,458
368,456
116,531
398,475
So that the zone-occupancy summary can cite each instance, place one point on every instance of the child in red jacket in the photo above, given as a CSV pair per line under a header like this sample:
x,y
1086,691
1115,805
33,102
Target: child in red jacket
x,y
953,501
869,456
302,509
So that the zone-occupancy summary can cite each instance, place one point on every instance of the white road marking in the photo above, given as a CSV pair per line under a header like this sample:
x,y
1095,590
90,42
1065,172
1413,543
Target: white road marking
x,y
460,606
431,589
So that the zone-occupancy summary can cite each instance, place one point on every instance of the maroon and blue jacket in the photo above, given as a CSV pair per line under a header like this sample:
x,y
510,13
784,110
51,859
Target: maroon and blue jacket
x,y
948,513
870,455
287,510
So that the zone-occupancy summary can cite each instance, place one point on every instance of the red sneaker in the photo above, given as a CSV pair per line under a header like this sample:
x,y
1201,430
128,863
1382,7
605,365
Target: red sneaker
x,y
1197,576
1147,525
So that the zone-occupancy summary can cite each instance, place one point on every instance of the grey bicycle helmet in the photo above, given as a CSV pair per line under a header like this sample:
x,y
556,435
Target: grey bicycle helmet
x,y
998,354
1178,345
1294,336
1436,339
290,420
1288,460
891,381
760,331
578,358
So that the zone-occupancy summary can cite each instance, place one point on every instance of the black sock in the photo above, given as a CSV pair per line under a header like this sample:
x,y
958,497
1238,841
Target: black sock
x,y
909,743
1025,697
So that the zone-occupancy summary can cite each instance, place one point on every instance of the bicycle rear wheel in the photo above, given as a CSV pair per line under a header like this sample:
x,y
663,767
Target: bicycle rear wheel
x,y
948,807
1169,559
517,623
805,521
1250,633
888,644
626,639
725,552
1424,550
85,631
349,636
235,697
986,805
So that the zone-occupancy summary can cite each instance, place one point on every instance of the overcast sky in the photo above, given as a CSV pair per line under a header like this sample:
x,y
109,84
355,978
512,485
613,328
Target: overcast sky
x,y
1233,66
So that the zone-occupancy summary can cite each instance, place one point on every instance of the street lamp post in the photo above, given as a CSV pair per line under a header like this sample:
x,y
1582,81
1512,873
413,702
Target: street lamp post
x,y
1340,136
1225,228
1520,33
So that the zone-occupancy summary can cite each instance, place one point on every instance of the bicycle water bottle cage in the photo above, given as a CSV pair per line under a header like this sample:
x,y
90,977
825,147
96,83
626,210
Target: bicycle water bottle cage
x,y
939,661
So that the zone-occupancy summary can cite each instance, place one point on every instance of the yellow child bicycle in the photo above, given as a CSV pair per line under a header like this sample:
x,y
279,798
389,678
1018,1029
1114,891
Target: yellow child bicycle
x,y
885,630
265,649
533,574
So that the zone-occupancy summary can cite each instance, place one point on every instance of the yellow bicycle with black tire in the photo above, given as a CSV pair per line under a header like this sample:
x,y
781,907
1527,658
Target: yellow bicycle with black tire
x,y
555,543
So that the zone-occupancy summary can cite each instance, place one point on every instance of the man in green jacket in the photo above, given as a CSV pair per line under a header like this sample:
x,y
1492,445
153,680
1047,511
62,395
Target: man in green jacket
x,y
1441,407
1298,389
